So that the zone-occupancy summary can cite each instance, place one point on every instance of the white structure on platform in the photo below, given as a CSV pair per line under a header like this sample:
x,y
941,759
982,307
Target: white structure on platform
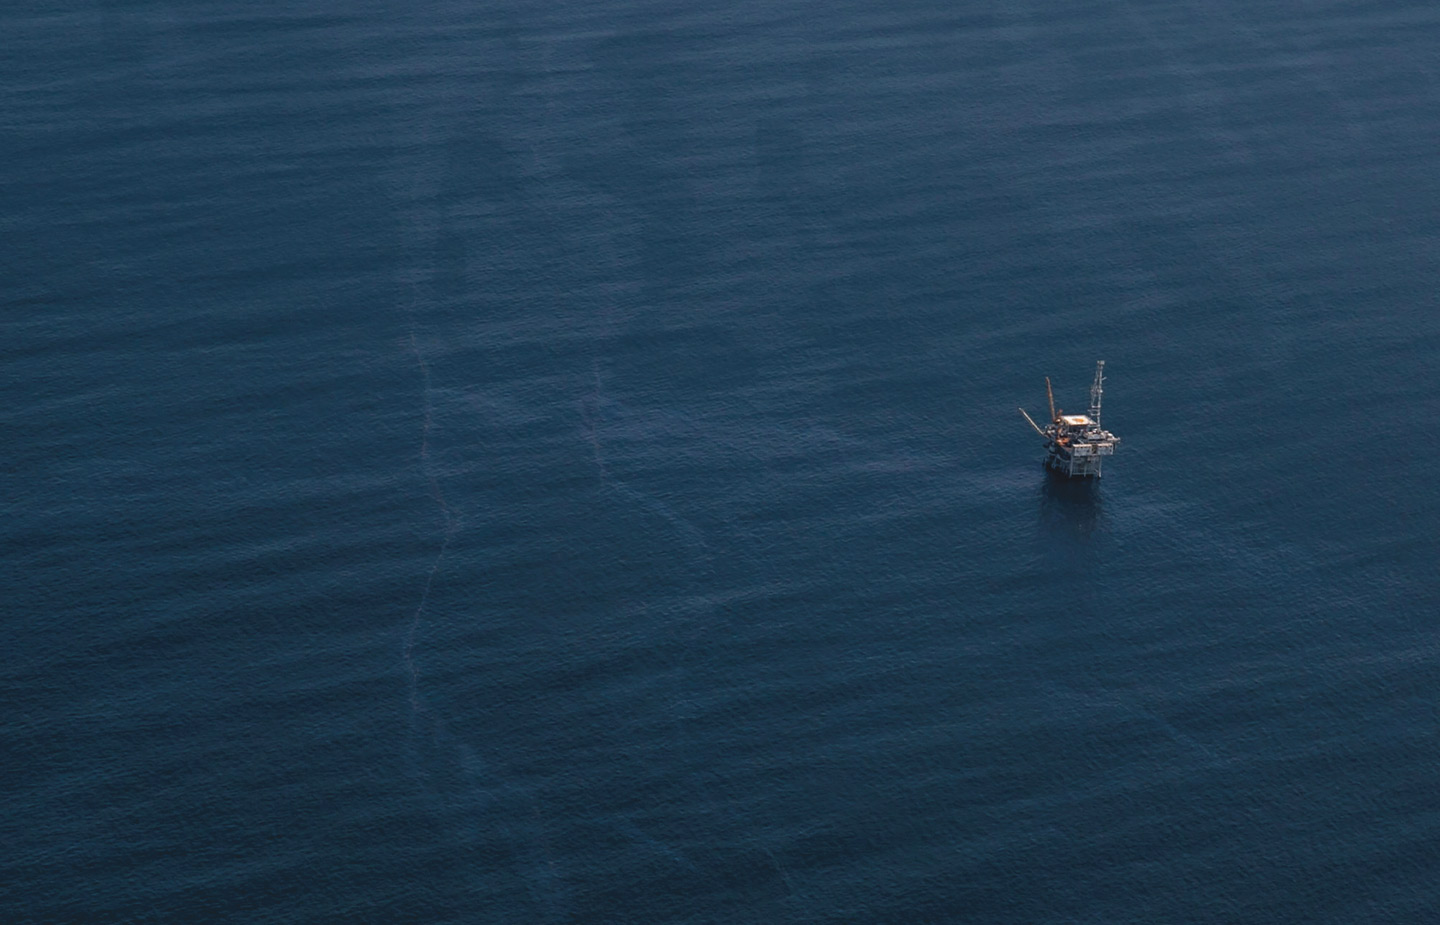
x,y
1075,444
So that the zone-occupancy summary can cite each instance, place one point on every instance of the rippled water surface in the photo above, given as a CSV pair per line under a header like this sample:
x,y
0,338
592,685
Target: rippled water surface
x,y
524,462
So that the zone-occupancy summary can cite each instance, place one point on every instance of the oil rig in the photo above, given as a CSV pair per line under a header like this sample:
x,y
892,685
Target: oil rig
x,y
1075,444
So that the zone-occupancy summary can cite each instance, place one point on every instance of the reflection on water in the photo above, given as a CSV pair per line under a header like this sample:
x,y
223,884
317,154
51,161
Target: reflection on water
x,y
1069,506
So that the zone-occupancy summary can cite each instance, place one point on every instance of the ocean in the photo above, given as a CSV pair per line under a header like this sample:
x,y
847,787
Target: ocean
x,y
559,462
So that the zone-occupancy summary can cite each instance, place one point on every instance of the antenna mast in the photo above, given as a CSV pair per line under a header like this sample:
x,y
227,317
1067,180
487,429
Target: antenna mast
x,y
1096,391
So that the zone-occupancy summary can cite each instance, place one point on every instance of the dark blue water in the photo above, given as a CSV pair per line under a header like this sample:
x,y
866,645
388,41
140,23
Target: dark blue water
x,y
524,462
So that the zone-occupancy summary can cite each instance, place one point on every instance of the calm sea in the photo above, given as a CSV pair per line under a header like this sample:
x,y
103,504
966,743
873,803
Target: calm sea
x,y
558,462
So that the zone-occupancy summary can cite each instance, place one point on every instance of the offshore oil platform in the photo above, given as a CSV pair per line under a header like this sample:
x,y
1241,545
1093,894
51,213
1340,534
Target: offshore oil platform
x,y
1075,444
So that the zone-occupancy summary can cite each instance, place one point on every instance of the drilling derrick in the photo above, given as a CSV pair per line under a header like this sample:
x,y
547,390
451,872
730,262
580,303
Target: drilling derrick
x,y
1075,444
